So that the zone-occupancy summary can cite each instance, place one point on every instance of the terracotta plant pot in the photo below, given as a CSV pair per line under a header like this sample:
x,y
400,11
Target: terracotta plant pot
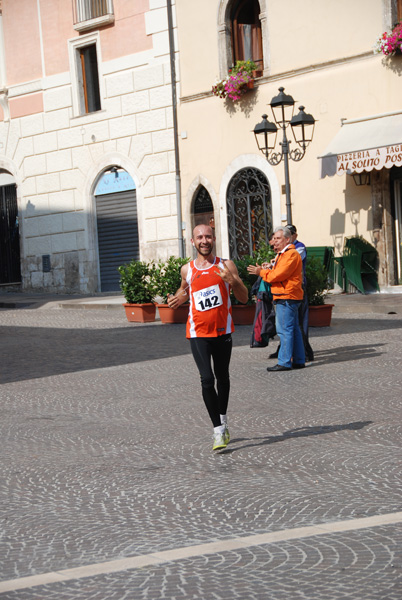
x,y
320,316
140,313
243,314
170,315
250,84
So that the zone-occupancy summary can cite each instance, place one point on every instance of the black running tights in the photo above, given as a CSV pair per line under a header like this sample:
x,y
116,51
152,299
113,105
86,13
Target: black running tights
x,y
219,349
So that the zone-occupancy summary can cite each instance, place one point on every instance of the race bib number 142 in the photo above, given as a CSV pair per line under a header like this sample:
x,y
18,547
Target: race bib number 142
x,y
208,298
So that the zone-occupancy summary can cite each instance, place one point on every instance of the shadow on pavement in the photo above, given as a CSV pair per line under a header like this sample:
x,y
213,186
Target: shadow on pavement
x,y
345,353
35,352
297,433
29,353
356,325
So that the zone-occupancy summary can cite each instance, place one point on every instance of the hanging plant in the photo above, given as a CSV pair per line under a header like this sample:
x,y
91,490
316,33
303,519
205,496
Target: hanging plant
x,y
238,81
218,89
236,85
390,43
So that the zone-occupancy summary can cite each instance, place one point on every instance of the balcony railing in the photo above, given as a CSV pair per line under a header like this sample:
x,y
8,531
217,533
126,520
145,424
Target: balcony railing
x,y
92,13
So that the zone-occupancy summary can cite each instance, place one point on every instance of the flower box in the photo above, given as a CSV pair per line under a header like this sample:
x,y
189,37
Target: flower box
x,y
390,43
239,80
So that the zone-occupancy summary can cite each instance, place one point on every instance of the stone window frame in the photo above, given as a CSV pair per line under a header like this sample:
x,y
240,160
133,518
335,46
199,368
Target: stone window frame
x,y
391,12
225,37
397,11
74,47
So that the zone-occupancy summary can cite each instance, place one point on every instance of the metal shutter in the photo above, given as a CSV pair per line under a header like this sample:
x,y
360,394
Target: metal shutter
x,y
116,218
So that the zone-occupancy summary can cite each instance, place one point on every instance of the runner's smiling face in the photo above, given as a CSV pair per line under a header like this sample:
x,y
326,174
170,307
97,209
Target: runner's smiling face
x,y
203,240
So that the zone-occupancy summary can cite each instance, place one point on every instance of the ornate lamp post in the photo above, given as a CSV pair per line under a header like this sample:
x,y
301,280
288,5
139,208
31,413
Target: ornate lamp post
x,y
302,125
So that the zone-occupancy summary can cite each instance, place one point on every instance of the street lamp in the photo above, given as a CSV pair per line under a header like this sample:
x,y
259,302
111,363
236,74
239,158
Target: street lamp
x,y
302,125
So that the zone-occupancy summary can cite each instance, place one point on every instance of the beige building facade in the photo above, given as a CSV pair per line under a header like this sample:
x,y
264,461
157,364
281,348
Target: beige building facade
x,y
321,53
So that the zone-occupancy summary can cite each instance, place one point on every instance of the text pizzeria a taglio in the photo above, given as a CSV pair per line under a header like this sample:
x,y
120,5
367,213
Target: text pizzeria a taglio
x,y
367,160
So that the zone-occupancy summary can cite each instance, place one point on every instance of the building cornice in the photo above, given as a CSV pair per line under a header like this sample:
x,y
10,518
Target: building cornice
x,y
288,74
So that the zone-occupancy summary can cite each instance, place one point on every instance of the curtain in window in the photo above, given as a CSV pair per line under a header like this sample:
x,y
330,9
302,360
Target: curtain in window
x,y
249,43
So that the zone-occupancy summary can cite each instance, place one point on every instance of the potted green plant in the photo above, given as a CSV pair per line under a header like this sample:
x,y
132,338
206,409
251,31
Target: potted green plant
x,y
136,284
317,284
246,65
243,314
166,279
265,253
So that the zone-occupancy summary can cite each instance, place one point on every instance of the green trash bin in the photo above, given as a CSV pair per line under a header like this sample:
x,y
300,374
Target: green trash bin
x,y
359,261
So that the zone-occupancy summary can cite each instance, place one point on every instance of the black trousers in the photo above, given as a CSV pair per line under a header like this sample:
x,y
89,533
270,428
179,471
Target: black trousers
x,y
303,322
212,357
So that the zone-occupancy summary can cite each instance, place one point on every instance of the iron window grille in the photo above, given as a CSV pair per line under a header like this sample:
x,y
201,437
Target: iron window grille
x,y
249,212
92,13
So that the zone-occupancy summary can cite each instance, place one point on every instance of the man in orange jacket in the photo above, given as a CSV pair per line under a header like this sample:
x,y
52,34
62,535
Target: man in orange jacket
x,y
286,279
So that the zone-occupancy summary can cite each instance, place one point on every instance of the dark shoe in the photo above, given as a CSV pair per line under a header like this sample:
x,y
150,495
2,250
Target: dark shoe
x,y
274,354
310,358
298,365
279,368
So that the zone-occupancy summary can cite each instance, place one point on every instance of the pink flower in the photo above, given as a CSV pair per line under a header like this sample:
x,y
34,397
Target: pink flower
x,y
389,43
236,85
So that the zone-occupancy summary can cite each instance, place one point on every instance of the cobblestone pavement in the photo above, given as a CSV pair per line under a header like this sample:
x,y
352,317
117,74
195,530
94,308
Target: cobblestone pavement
x,y
106,456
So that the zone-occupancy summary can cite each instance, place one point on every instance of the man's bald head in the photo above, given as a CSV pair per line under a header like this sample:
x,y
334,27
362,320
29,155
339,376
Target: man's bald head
x,y
199,229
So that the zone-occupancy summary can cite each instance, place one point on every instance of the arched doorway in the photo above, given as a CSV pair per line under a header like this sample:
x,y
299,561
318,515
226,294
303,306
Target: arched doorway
x,y
249,211
10,266
203,209
117,225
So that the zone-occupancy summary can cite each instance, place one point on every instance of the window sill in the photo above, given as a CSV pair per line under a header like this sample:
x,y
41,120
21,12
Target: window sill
x,y
94,23
84,118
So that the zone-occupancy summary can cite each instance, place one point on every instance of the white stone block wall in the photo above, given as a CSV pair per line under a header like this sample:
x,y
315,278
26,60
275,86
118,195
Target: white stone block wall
x,y
55,153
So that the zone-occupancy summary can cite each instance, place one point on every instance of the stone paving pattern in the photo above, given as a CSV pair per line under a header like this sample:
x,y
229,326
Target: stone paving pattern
x,y
106,453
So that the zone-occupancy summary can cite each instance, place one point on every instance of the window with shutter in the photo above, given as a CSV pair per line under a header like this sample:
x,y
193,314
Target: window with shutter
x,y
87,85
89,80
246,32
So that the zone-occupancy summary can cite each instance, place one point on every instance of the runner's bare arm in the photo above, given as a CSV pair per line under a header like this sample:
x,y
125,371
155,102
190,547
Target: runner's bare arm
x,y
231,276
181,296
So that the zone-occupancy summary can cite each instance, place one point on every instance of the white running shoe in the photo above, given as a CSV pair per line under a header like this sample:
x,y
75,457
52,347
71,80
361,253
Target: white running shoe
x,y
219,441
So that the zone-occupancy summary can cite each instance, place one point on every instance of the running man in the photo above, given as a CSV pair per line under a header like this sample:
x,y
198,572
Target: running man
x,y
206,281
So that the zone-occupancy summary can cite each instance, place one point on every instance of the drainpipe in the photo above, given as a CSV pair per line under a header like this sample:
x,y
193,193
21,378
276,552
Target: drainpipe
x,y
176,137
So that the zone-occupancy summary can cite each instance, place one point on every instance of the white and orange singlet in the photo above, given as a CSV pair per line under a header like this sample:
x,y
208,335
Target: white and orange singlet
x,y
210,313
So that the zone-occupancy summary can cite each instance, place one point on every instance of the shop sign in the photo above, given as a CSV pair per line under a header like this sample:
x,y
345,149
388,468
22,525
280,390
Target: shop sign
x,y
367,160
110,183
